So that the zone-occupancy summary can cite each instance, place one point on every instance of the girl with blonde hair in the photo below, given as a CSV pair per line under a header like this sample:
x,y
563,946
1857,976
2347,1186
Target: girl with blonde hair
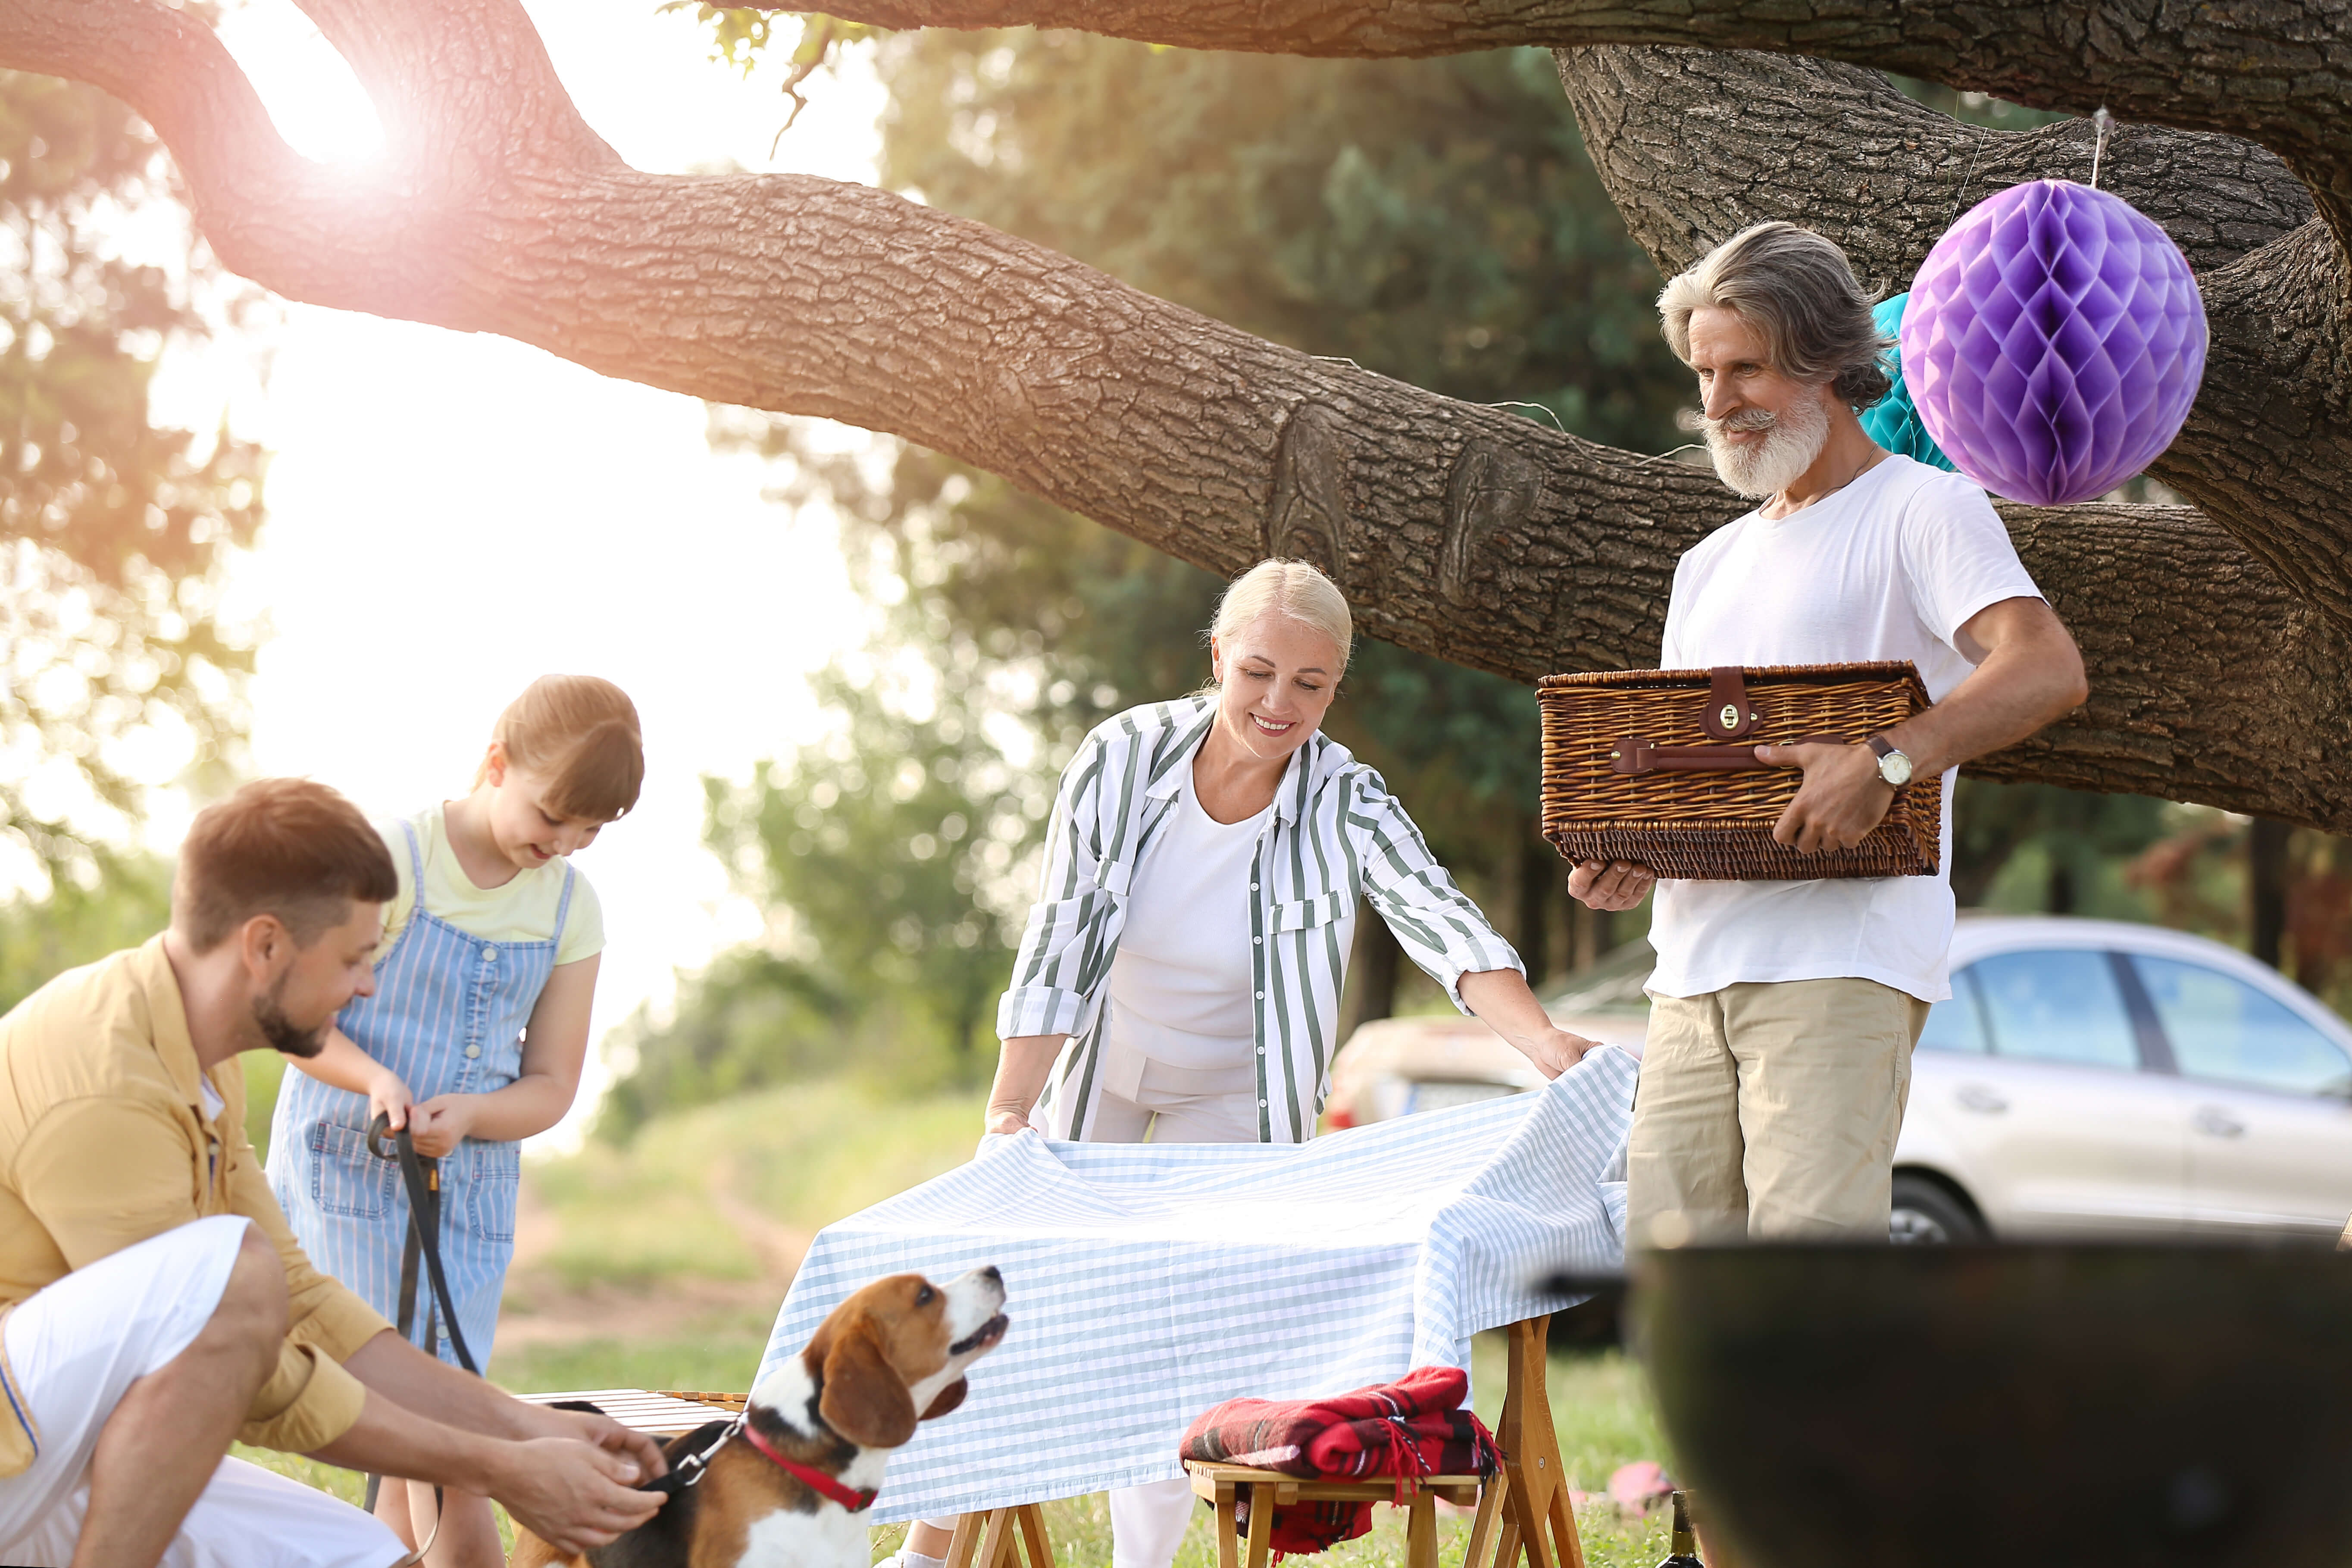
x,y
472,1036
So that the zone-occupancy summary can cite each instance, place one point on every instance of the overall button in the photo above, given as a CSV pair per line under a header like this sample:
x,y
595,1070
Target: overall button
x,y
472,1051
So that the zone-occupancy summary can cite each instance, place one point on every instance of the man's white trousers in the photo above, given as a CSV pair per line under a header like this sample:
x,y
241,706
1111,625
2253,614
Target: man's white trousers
x,y
77,1347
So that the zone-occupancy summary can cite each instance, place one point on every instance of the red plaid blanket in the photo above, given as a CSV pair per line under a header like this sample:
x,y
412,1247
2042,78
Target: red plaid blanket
x,y
1414,1426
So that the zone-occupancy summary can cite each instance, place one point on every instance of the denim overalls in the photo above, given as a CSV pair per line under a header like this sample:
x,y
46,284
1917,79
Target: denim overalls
x,y
447,1016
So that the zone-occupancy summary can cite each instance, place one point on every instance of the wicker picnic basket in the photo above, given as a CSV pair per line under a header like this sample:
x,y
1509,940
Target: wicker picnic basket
x,y
1656,766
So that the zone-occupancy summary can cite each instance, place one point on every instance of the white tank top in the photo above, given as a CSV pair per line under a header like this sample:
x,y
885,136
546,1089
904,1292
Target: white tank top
x,y
1180,987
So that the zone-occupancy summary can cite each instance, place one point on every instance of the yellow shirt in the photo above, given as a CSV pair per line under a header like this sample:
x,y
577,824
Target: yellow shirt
x,y
520,909
105,1142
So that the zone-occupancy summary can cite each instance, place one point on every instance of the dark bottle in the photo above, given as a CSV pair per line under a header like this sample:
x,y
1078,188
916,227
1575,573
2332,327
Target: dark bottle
x,y
1684,1553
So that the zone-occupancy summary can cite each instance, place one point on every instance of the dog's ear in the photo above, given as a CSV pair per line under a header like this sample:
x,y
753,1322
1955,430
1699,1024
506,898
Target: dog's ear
x,y
946,1399
864,1398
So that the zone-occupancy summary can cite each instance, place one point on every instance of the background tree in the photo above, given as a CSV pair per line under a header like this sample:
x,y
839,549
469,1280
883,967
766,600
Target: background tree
x,y
114,531
127,901
2214,633
1435,221
883,855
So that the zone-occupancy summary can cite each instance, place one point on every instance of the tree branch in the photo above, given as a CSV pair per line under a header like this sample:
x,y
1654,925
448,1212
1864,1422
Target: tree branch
x,y
459,86
2276,71
1695,146
1458,530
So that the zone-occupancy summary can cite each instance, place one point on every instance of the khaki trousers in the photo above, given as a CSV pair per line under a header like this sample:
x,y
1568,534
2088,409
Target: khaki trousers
x,y
1769,1111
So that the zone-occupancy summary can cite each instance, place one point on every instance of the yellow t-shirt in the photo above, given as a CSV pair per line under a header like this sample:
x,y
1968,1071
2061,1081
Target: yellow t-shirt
x,y
521,910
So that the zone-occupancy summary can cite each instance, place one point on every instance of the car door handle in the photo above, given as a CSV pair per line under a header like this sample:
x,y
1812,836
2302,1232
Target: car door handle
x,y
2219,1125
1977,1097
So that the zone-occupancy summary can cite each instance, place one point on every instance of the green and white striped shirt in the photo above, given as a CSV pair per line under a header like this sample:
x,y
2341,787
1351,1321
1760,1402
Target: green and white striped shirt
x,y
1336,835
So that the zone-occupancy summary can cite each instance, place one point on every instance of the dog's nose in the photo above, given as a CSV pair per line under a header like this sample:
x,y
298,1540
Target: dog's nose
x,y
992,1275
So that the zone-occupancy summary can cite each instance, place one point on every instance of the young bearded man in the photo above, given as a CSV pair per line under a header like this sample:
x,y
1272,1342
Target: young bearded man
x,y
157,1306
1783,1014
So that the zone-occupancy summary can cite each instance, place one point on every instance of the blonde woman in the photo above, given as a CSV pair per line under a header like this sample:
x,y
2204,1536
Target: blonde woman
x,y
1179,980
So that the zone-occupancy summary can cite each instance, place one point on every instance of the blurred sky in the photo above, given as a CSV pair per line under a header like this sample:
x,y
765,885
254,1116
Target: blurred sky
x,y
452,515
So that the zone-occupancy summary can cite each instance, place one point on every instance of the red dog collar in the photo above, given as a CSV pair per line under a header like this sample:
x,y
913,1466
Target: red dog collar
x,y
823,1484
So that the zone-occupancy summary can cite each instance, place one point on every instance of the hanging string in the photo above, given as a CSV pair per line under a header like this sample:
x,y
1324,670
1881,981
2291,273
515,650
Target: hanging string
x,y
1968,179
2104,122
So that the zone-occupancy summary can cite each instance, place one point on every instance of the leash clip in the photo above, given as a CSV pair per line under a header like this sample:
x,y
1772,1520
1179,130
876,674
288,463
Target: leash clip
x,y
689,1471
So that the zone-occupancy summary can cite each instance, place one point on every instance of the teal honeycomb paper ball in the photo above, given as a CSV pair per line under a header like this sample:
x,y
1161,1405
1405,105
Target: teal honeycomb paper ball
x,y
1892,421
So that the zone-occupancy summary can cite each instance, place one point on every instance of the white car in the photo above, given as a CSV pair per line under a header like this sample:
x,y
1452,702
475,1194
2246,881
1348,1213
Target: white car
x,y
2087,1079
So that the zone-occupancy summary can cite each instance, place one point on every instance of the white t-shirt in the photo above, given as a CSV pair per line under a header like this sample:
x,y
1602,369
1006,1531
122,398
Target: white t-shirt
x,y
1181,986
1890,567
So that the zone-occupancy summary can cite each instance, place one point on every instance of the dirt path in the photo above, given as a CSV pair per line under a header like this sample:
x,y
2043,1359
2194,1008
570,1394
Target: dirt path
x,y
544,1309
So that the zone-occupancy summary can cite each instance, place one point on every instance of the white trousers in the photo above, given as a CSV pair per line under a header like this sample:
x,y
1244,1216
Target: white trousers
x,y
77,1347
1168,1105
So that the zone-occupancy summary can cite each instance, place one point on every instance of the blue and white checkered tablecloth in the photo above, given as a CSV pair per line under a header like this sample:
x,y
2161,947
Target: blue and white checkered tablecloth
x,y
1148,1282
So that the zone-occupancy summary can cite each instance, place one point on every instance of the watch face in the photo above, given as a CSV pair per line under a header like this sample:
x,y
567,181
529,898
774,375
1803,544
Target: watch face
x,y
1895,769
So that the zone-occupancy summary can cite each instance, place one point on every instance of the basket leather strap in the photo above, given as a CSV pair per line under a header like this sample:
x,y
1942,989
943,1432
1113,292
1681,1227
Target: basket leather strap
x,y
1635,754
1729,715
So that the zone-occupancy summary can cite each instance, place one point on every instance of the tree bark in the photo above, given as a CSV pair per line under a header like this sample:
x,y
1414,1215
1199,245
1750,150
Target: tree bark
x,y
1693,146
1457,530
2275,71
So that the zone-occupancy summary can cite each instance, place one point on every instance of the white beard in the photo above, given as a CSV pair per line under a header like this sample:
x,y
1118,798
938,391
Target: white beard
x,y
1793,441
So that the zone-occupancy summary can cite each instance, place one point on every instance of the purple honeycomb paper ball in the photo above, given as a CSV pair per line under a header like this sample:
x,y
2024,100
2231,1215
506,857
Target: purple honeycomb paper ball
x,y
2052,342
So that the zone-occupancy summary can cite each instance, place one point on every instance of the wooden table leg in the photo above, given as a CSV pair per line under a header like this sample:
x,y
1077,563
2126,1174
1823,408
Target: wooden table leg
x,y
1490,1499
1261,1529
966,1539
994,1539
1421,1532
996,1545
1229,1554
1538,1517
1033,1531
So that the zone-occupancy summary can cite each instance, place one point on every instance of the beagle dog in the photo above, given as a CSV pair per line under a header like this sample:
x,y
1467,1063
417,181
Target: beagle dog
x,y
786,1484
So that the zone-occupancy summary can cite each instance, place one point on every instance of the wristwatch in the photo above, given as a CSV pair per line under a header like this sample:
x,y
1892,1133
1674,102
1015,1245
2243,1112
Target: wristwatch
x,y
1893,765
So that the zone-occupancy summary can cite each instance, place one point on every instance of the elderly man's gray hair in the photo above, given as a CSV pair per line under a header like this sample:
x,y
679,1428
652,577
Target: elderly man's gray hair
x,y
1799,293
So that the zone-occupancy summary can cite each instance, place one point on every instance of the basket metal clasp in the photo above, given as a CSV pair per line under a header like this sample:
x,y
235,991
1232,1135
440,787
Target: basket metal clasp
x,y
1730,716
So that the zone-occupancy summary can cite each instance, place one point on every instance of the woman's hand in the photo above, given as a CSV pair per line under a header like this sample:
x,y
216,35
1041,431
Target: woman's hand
x,y
1002,1120
1609,886
388,1097
436,1126
1502,1002
1555,1051
1021,1066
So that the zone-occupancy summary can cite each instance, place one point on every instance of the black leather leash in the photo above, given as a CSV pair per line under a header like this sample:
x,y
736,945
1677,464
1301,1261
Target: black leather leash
x,y
421,1173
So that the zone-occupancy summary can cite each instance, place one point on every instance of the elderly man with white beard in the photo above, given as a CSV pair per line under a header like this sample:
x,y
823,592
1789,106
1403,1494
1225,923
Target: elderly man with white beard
x,y
1783,1014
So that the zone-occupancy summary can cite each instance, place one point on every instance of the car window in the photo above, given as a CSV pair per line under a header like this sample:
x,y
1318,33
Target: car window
x,y
2059,1005
1957,1025
2223,1029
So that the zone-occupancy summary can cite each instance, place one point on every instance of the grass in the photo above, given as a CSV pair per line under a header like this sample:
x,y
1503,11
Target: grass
x,y
701,1214
697,1193
1601,1412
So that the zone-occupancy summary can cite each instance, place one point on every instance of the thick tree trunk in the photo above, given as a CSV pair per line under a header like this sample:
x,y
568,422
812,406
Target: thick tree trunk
x,y
1540,874
1461,530
1374,969
2266,885
1596,934
1838,150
